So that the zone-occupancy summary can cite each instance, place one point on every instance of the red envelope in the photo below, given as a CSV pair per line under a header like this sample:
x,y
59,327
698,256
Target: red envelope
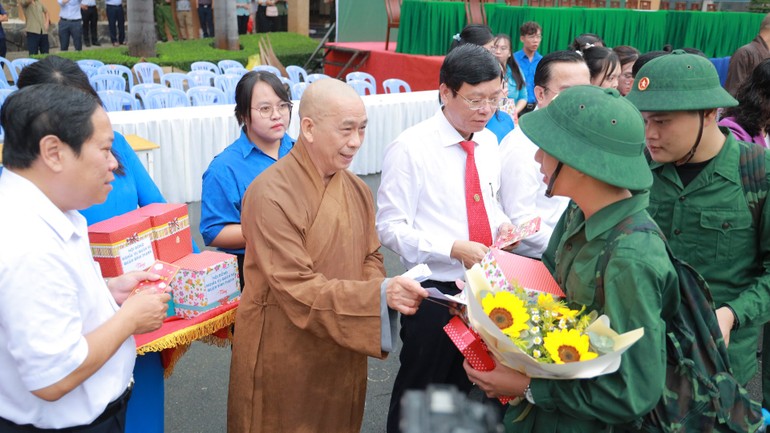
x,y
472,348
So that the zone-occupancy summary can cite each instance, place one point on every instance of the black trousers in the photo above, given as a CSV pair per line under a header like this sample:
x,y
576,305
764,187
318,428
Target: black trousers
x,y
427,355
112,420
90,33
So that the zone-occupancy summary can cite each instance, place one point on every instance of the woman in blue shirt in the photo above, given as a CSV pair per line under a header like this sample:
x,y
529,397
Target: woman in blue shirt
x,y
263,109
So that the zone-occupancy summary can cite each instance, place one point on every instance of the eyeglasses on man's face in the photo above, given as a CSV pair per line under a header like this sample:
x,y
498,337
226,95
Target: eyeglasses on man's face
x,y
534,37
478,104
266,110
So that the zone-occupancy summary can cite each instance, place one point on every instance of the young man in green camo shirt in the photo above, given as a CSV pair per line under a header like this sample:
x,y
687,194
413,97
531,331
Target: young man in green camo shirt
x,y
698,197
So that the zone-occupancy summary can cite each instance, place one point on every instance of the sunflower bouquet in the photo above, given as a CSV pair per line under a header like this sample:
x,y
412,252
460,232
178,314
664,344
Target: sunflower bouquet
x,y
536,332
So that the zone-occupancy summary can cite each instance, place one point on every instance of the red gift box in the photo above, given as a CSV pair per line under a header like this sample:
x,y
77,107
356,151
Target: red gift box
x,y
205,281
122,244
172,239
472,347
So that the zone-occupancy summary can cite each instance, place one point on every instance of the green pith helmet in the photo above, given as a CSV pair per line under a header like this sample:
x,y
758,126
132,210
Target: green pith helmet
x,y
595,131
679,82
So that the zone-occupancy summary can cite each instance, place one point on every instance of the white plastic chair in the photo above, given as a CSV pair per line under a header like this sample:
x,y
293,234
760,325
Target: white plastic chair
x,y
224,65
362,76
175,80
166,98
205,66
145,72
120,71
108,82
203,95
394,85
362,87
296,73
267,68
117,100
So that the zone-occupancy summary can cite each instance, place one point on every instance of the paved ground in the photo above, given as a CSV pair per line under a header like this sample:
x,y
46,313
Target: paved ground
x,y
196,395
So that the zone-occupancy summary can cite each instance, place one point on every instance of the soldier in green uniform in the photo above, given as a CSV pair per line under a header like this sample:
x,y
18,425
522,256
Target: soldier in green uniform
x,y
591,144
699,201
163,19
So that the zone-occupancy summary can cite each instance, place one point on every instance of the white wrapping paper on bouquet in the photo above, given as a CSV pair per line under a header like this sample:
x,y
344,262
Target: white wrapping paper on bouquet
x,y
510,355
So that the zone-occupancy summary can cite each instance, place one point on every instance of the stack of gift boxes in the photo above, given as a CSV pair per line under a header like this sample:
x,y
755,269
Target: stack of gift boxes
x,y
161,231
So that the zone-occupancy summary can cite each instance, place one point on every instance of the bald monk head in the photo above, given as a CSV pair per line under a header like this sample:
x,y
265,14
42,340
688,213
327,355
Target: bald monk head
x,y
332,124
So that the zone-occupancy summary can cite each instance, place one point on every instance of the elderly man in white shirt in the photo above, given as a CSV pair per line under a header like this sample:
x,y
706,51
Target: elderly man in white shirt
x,y
522,191
66,345
438,205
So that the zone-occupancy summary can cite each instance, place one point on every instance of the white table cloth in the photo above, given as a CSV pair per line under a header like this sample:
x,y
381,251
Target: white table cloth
x,y
190,137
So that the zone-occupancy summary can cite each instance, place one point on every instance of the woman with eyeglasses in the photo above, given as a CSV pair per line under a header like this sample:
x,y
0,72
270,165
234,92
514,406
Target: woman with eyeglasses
x,y
514,77
263,110
627,56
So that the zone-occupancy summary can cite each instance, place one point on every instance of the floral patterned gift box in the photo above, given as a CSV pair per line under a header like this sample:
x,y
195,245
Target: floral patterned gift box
x,y
205,281
122,244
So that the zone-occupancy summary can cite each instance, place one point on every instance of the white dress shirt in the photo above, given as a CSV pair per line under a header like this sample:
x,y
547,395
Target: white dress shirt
x,y
51,295
421,199
70,10
522,192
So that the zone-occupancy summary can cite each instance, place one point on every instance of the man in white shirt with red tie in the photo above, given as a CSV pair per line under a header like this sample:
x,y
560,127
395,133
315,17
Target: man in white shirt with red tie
x,y
438,205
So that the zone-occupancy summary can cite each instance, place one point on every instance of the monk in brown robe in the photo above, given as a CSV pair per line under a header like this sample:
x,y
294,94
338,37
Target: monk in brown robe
x,y
316,301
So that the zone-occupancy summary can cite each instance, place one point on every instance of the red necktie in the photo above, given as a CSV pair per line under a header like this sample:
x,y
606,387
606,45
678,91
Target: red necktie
x,y
478,222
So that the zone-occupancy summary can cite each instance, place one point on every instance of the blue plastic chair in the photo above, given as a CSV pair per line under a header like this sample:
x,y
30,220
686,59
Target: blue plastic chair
x,y
19,64
108,82
287,83
140,90
4,94
267,68
315,77
205,66
297,90
175,80
362,87
11,70
90,62
145,72
118,100
227,83
120,71
238,71
296,73
394,85
203,95
362,76
89,69
224,65
165,98
201,78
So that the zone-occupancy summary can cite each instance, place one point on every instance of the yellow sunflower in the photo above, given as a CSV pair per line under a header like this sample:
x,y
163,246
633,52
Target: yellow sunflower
x,y
567,346
507,311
